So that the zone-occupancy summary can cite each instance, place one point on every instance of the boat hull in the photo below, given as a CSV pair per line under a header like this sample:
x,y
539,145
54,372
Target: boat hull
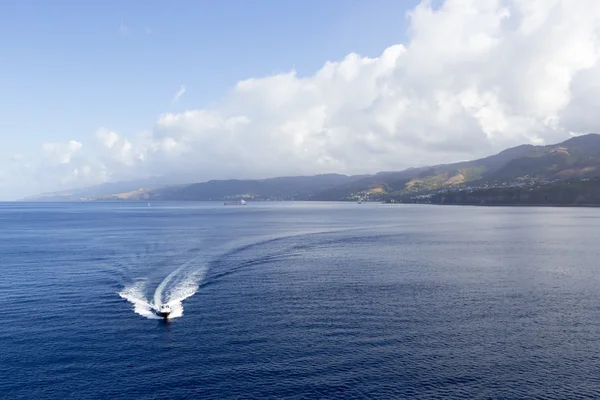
x,y
163,314
235,203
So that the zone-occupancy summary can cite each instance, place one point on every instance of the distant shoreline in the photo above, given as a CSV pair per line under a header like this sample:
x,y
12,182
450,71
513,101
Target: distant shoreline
x,y
308,201
510,205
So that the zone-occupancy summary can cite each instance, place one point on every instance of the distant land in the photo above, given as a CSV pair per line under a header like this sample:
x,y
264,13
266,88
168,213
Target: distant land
x,y
566,173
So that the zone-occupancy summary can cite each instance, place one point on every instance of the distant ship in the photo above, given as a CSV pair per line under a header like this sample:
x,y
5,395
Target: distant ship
x,y
163,311
235,203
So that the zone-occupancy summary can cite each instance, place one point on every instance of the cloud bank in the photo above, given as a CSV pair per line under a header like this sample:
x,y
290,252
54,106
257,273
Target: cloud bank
x,y
474,77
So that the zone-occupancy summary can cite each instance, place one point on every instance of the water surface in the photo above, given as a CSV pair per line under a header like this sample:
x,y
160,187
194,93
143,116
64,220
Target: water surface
x,y
299,300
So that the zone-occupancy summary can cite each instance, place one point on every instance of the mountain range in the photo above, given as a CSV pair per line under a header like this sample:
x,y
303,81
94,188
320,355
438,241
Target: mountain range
x,y
574,159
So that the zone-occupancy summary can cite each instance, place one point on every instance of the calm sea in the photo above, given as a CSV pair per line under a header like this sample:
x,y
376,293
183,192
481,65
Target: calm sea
x,y
298,301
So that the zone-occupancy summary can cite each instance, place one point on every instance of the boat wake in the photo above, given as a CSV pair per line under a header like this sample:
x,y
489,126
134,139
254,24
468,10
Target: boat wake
x,y
147,294
173,290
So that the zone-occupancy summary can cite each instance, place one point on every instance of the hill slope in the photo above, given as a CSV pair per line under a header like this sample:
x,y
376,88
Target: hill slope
x,y
573,159
576,158
284,188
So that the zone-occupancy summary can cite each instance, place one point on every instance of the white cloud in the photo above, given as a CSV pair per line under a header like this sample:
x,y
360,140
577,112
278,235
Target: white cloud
x,y
179,93
475,77
61,153
107,138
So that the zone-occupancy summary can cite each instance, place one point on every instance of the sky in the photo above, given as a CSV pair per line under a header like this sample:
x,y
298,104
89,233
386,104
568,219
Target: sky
x,y
95,92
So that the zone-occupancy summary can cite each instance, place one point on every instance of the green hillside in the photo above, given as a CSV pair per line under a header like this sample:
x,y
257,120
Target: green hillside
x,y
526,165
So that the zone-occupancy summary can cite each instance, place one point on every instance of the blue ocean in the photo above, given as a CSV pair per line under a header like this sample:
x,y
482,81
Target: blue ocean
x,y
298,301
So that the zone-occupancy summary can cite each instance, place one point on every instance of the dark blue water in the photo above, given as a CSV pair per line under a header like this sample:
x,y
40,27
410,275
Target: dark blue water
x,y
299,301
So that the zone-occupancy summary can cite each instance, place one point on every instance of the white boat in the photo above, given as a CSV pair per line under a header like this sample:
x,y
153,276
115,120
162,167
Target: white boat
x,y
163,311
235,203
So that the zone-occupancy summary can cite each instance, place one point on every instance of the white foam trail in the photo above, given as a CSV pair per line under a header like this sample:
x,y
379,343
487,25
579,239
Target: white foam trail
x,y
158,293
135,295
184,281
173,290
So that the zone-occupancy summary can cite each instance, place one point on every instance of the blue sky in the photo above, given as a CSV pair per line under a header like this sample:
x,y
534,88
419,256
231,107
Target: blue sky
x,y
87,89
73,66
